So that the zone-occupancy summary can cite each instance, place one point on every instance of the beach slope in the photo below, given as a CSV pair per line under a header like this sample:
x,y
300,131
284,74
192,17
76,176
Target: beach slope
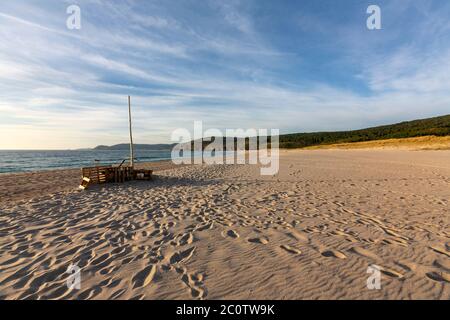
x,y
313,231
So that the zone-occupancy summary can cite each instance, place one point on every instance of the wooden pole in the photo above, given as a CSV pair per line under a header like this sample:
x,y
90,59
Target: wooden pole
x,y
131,134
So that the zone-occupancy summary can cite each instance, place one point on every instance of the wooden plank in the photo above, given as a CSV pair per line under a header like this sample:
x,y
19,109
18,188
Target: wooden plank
x,y
84,183
106,174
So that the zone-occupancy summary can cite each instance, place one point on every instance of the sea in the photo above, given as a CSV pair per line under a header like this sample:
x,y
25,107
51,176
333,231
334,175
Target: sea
x,y
29,160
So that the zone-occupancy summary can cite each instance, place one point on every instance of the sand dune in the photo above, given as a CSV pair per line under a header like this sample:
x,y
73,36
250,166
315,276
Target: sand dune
x,y
216,232
416,143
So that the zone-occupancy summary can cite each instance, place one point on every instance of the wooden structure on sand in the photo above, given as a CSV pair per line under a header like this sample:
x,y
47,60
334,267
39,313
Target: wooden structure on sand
x,y
111,174
115,174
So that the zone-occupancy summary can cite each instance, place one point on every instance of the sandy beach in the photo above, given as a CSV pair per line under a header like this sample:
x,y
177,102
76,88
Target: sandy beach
x,y
226,232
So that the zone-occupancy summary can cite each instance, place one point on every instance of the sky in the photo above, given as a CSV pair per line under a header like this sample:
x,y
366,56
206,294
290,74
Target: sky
x,y
297,66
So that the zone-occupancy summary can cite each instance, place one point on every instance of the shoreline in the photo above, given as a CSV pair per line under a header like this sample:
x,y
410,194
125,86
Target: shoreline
x,y
422,143
30,184
426,143
138,165
23,186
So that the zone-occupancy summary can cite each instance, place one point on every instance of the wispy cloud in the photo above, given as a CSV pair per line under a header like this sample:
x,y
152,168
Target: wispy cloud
x,y
284,65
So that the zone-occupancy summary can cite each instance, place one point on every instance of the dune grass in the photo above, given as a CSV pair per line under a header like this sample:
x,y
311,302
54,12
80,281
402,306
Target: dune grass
x,y
417,143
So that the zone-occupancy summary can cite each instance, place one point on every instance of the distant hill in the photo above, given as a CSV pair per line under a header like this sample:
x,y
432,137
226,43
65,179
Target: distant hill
x,y
437,126
126,146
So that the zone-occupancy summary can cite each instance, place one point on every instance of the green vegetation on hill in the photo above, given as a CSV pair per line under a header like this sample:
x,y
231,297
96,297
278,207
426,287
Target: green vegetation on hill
x,y
438,126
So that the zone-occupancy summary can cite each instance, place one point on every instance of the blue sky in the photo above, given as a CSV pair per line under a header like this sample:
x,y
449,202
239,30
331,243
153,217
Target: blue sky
x,y
293,65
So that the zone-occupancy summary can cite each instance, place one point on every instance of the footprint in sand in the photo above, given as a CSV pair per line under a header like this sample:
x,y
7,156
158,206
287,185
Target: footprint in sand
x,y
443,264
197,292
407,265
117,294
89,293
334,254
203,227
63,293
103,258
195,284
290,249
391,273
182,256
231,233
299,236
365,253
262,240
439,276
443,275
144,277
440,250
396,241
394,234
187,238
12,262
110,283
